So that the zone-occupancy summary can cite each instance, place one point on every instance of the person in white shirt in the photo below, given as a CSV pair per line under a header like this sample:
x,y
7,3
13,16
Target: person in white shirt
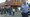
x,y
13,11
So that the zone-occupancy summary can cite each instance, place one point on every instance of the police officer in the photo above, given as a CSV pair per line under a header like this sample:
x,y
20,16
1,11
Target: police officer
x,y
24,9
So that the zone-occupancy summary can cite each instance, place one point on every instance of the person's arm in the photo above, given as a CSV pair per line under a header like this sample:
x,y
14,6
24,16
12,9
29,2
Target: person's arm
x,y
21,9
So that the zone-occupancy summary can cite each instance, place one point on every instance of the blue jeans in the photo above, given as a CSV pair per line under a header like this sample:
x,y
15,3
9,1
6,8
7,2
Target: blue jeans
x,y
9,11
2,11
5,11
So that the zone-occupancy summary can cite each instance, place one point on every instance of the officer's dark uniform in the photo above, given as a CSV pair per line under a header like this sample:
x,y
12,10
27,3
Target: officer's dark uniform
x,y
24,10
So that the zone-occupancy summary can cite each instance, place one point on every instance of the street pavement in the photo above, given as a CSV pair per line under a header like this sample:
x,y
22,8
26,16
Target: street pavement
x,y
17,14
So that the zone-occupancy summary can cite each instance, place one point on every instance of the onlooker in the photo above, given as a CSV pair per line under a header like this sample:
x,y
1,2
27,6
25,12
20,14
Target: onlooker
x,y
10,10
2,9
13,11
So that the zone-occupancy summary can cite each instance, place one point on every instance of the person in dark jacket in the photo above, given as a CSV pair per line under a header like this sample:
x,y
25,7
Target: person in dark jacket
x,y
2,9
24,9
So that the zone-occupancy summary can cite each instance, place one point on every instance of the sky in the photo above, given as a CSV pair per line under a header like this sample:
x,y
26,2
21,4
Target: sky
x,y
2,1
28,1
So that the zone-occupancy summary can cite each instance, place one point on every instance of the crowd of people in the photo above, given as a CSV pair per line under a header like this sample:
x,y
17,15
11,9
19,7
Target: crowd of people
x,y
7,10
